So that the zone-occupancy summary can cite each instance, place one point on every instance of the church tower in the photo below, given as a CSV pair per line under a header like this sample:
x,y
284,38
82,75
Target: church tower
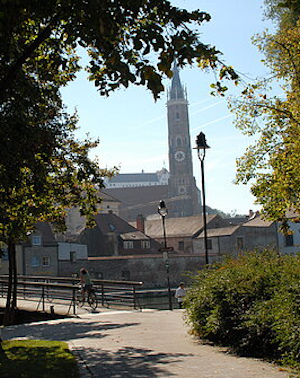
x,y
181,181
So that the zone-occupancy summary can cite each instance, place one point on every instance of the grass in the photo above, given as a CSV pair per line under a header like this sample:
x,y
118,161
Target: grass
x,y
37,358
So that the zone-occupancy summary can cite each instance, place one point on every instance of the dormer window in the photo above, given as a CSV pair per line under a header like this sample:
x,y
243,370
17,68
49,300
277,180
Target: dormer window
x,y
111,227
36,240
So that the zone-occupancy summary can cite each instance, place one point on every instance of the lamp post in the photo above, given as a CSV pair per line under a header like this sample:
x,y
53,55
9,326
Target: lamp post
x,y
163,212
201,148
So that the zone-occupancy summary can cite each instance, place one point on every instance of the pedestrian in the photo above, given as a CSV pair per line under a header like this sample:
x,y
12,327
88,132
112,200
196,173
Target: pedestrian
x,y
86,283
180,293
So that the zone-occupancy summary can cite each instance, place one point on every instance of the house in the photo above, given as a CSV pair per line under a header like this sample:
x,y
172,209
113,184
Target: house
x,y
76,223
112,236
42,253
180,232
290,243
256,233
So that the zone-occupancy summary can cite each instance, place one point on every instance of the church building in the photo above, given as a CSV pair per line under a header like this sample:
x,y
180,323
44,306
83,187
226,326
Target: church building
x,y
140,193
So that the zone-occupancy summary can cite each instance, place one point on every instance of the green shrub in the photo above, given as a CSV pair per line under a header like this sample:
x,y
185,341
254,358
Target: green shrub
x,y
251,303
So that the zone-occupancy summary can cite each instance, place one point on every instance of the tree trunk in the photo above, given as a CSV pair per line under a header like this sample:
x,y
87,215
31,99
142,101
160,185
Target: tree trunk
x,y
15,278
11,299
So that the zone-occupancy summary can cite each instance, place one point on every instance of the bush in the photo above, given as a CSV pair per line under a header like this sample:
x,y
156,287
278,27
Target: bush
x,y
251,303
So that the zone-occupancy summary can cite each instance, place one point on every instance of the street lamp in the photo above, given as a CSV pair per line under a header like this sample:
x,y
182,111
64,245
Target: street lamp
x,y
201,148
163,212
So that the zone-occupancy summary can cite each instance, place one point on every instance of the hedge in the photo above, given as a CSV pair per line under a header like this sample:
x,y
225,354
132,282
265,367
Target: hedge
x,y
250,303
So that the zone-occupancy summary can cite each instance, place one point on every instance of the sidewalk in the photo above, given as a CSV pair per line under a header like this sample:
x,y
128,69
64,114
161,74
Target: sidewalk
x,y
142,344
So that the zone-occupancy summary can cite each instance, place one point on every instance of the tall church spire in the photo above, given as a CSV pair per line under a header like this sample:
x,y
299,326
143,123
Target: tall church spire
x,y
181,185
176,91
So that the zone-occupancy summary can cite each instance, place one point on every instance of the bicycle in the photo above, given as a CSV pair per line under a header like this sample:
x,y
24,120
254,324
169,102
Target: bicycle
x,y
92,299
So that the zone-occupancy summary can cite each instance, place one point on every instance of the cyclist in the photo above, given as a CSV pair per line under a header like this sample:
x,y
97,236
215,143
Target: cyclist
x,y
86,283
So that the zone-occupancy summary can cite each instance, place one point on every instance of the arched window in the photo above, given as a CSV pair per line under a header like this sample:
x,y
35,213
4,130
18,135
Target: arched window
x,y
178,141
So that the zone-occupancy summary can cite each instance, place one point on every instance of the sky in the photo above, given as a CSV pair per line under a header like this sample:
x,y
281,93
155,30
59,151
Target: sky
x,y
132,127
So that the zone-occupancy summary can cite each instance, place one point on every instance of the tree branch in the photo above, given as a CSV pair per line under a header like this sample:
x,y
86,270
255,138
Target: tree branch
x,y
283,46
11,74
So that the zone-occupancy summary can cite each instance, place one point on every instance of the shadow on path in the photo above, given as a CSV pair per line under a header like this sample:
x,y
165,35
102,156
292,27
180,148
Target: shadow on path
x,y
128,362
64,330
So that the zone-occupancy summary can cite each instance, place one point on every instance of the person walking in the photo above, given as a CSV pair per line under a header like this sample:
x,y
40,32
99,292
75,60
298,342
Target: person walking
x,y
180,293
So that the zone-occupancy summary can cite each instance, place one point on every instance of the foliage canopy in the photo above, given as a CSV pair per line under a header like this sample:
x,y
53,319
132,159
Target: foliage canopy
x,y
273,161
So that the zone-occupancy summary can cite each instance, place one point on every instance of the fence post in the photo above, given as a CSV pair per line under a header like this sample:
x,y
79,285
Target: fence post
x,y
43,297
134,298
102,294
74,301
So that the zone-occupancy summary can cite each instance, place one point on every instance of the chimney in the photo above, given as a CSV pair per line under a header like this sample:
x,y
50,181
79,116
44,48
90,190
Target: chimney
x,y
140,223
251,215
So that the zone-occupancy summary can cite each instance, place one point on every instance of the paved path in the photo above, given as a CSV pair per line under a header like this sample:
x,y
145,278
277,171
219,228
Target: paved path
x,y
135,344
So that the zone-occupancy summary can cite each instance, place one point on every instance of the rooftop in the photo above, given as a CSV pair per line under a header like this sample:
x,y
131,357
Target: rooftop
x,y
176,227
134,177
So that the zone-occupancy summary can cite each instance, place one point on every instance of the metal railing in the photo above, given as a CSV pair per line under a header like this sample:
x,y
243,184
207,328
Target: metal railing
x,y
47,289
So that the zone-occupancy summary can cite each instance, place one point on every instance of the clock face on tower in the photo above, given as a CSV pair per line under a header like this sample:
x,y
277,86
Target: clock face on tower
x,y
179,155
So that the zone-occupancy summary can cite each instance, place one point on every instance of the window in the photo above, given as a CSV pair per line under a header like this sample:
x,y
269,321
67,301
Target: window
x,y
73,258
46,260
289,240
178,141
35,261
128,244
145,244
209,244
36,240
4,252
177,116
240,242
181,245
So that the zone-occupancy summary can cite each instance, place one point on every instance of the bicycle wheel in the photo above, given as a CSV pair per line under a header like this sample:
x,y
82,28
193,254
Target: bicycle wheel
x,y
80,302
92,300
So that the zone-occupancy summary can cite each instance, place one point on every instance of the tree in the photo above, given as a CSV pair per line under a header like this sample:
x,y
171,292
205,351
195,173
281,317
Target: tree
x,y
273,162
43,170
70,179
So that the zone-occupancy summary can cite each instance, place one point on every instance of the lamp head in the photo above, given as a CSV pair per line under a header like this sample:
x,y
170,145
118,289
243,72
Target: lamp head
x,y
162,210
201,142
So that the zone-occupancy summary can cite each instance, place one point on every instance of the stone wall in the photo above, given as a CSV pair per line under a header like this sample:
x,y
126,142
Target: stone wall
x,y
149,269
